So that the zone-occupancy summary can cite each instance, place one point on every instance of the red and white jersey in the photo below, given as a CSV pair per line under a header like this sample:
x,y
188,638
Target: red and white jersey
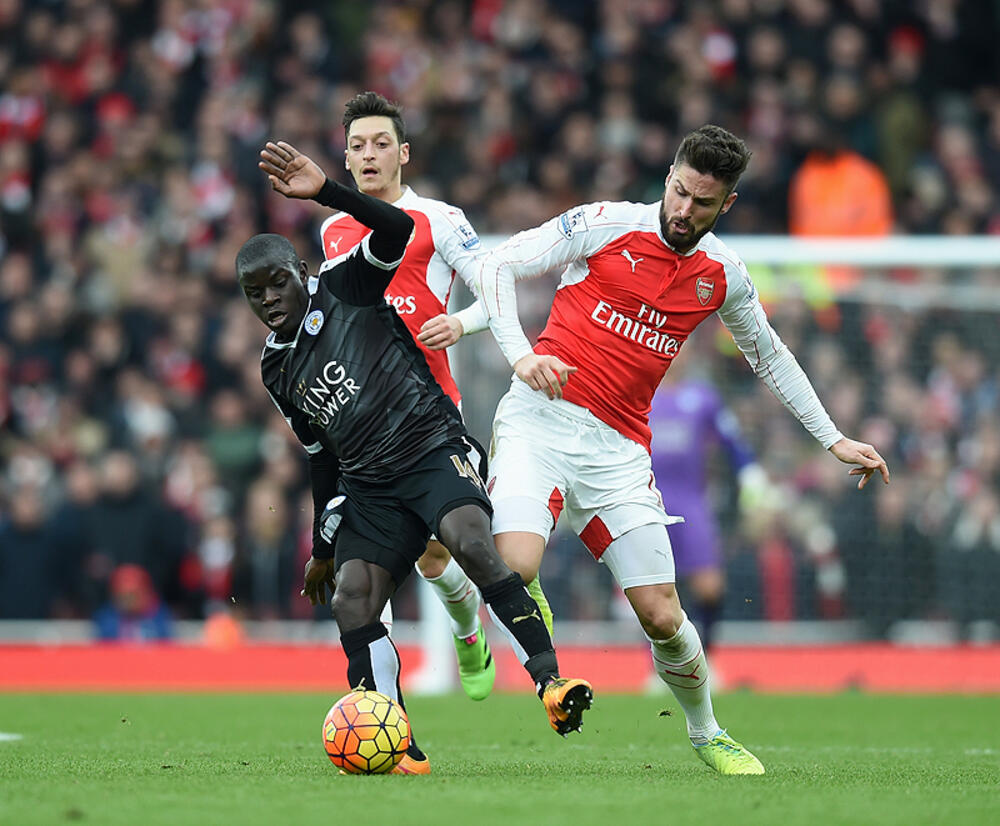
x,y
626,303
444,243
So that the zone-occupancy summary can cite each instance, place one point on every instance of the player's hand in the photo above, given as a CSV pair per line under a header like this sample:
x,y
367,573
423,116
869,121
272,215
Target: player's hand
x,y
290,172
318,577
440,332
858,453
546,373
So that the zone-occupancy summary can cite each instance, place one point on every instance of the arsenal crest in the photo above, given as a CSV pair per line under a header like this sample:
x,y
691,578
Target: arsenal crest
x,y
704,288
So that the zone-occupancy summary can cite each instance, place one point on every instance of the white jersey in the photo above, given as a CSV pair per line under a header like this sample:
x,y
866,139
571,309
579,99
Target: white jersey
x,y
444,244
626,303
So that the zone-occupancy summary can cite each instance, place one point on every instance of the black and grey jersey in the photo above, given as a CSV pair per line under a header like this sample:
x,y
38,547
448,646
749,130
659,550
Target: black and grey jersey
x,y
353,381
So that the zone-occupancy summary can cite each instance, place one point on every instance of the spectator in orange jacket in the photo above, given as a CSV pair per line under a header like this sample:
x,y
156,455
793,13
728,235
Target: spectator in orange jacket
x,y
838,192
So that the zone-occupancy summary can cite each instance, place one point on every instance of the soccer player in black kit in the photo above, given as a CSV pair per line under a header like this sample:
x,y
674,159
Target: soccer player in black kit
x,y
347,376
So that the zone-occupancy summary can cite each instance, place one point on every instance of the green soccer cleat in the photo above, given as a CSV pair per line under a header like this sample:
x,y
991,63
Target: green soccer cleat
x,y
727,756
476,668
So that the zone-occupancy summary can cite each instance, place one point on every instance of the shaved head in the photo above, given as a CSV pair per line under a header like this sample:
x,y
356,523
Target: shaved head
x,y
273,279
267,246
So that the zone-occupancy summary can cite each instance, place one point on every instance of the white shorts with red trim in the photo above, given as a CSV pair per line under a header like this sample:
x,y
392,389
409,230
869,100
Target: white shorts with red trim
x,y
550,457
642,556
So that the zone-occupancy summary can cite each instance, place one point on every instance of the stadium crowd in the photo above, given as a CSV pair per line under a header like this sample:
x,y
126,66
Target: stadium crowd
x,y
133,426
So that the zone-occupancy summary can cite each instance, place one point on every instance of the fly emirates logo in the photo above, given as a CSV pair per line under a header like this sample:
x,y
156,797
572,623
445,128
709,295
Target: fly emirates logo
x,y
328,394
644,330
402,304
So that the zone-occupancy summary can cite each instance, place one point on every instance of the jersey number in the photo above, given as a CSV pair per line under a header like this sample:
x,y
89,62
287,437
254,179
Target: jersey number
x,y
466,470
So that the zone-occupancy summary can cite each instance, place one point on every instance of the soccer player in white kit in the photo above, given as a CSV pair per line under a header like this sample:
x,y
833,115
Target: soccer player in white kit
x,y
444,244
571,436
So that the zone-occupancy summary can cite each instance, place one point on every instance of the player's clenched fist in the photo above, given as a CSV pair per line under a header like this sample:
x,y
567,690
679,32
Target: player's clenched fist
x,y
547,373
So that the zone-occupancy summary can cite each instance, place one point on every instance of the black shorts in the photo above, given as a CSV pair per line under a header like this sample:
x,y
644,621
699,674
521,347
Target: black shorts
x,y
389,524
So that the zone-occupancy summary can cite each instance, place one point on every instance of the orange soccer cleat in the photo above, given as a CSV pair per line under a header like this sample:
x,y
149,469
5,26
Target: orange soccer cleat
x,y
413,762
565,701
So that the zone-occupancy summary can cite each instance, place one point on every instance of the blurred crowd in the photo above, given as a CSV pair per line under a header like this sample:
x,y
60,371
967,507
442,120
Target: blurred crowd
x,y
134,430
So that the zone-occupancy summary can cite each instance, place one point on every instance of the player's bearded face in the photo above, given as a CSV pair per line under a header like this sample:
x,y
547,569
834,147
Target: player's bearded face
x,y
277,295
374,155
692,203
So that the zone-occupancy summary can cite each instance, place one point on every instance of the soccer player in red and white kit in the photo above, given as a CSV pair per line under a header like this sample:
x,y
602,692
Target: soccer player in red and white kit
x,y
444,244
571,436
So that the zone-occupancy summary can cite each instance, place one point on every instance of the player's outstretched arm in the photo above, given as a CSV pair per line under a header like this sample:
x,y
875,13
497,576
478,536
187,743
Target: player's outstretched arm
x,y
851,452
295,175
290,172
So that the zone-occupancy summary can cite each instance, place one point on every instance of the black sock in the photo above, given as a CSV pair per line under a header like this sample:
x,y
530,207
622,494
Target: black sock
x,y
514,607
374,666
357,647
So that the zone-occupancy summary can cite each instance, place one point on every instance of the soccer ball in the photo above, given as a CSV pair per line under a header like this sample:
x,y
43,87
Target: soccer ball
x,y
366,732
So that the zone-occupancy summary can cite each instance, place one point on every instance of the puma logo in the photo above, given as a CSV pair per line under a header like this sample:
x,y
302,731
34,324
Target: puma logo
x,y
633,261
692,675
335,245
528,616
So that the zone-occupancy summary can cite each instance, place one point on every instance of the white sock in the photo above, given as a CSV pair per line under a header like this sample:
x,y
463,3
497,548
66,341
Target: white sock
x,y
437,673
460,598
680,663
385,667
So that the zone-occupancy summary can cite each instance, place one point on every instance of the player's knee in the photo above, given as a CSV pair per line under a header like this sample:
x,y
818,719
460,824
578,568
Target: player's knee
x,y
465,532
430,568
434,560
473,548
352,605
478,556
661,627
661,619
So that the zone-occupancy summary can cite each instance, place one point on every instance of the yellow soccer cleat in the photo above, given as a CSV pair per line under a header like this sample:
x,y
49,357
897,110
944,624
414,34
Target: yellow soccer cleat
x,y
565,701
727,756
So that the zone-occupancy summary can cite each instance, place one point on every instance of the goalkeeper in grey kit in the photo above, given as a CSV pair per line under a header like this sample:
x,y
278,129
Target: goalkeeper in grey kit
x,y
347,376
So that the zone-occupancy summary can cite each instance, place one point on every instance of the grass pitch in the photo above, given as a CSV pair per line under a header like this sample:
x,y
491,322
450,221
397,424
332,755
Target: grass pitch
x,y
257,759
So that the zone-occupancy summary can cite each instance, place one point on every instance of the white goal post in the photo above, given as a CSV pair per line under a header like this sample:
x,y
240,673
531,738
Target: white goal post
x,y
893,251
978,256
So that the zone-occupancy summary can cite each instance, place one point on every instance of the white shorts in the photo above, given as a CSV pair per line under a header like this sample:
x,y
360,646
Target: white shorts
x,y
643,556
550,457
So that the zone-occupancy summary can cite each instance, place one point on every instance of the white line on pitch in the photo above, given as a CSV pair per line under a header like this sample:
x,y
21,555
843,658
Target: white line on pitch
x,y
8,735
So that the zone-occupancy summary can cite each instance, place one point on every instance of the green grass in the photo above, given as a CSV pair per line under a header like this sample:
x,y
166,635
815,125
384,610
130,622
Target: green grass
x,y
257,759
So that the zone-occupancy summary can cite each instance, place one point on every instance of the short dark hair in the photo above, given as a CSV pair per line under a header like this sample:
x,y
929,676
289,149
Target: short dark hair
x,y
267,245
712,150
372,104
